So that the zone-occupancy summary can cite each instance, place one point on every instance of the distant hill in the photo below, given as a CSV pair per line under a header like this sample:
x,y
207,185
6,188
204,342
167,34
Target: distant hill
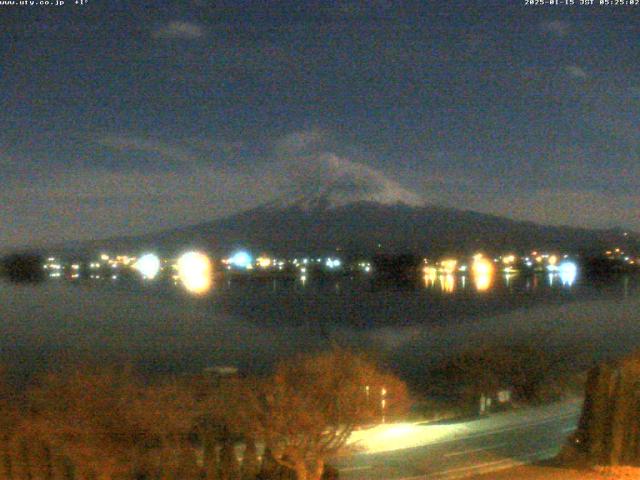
x,y
365,227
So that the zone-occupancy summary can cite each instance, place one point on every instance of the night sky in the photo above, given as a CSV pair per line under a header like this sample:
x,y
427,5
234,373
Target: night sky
x,y
125,117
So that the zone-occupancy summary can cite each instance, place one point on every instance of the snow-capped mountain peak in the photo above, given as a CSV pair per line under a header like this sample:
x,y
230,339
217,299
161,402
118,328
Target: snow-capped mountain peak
x,y
329,181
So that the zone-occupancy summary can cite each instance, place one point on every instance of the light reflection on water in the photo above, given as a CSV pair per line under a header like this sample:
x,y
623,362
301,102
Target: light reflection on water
x,y
251,321
482,279
486,280
483,272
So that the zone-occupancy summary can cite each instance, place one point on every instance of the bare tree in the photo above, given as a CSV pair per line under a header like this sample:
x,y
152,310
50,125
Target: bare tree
x,y
85,417
609,429
229,466
311,405
108,424
226,412
250,465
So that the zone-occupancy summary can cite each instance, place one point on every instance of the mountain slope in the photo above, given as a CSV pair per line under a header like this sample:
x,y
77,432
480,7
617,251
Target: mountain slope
x,y
366,227
330,203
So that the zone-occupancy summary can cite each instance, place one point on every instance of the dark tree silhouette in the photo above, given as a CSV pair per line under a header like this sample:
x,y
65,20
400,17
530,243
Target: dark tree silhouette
x,y
250,464
23,267
609,428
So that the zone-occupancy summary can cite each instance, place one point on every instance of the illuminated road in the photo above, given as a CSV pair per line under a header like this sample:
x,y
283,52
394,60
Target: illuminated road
x,y
415,451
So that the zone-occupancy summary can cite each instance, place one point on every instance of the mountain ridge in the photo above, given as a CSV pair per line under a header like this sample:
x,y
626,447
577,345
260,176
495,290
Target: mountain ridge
x,y
363,227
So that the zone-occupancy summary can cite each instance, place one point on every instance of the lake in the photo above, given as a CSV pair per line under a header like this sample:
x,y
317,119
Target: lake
x,y
250,323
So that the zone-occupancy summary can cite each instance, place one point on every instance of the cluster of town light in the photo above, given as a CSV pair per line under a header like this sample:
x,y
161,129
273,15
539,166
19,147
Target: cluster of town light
x,y
194,270
483,270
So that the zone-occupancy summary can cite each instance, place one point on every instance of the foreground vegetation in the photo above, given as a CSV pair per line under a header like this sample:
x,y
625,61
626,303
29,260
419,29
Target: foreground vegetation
x,y
454,386
108,424
112,424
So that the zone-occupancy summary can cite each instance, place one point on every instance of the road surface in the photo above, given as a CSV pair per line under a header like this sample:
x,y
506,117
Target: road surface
x,y
457,450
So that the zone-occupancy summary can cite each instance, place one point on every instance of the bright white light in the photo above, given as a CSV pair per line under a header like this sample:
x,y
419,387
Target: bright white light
x,y
399,436
195,272
241,259
333,263
568,273
148,265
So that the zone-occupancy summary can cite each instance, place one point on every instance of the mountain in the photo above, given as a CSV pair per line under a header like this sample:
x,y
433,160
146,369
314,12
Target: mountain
x,y
366,227
334,203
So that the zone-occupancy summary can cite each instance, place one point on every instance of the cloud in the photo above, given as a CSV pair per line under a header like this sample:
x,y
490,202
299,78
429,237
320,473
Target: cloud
x,y
310,165
340,181
558,28
165,150
188,151
576,72
296,142
355,9
62,204
318,174
87,203
204,145
181,30
5,160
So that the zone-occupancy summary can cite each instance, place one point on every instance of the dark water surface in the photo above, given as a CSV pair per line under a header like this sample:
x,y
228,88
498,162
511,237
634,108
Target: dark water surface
x,y
251,323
